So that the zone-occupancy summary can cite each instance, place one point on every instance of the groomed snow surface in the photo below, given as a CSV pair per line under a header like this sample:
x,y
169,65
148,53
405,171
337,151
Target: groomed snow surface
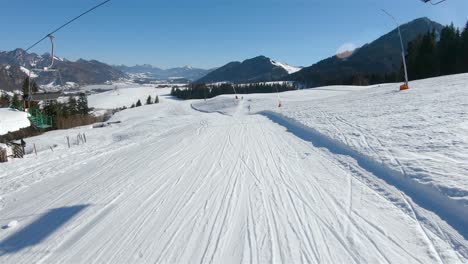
x,y
339,175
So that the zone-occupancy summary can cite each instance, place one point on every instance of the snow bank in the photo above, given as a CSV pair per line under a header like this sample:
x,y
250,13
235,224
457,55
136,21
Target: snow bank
x,y
12,120
423,132
452,211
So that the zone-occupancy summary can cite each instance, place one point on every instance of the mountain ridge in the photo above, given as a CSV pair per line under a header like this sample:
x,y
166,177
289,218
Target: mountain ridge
x,y
150,71
257,69
82,72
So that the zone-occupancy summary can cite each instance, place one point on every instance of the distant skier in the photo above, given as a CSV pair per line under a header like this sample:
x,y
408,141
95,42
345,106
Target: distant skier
x,y
248,108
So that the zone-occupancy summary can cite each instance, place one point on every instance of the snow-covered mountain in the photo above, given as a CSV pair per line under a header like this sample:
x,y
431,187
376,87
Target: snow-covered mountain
x,y
15,66
290,69
151,72
257,69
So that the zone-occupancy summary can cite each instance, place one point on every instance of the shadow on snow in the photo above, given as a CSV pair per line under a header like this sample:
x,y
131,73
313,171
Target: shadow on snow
x,y
39,230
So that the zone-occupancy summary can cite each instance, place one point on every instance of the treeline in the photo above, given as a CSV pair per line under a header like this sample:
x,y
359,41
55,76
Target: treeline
x,y
73,113
203,91
72,107
149,101
16,101
10,101
430,57
370,79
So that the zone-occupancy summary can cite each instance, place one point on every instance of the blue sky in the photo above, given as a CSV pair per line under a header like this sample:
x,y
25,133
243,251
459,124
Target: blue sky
x,y
210,33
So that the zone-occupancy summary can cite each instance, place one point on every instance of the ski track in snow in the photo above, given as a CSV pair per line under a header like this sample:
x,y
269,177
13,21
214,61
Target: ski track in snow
x,y
173,185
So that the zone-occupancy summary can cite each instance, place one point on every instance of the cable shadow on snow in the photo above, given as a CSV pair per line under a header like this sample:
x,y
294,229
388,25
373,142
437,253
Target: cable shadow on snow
x,y
39,230
451,211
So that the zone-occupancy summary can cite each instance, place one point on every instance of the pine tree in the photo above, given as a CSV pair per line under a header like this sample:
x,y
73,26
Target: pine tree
x,y
138,103
447,50
72,106
421,59
34,87
82,104
149,100
25,89
4,100
427,56
15,102
464,49
133,106
156,101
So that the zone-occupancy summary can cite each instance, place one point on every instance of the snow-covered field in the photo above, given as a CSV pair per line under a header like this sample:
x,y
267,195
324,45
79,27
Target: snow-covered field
x,y
104,87
307,183
12,120
121,97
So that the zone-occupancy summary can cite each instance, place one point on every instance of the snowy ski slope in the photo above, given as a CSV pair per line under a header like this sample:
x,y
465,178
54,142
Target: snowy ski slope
x,y
209,182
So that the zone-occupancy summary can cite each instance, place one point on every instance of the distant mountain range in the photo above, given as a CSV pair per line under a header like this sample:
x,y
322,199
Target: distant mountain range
x,y
258,69
151,72
15,65
383,56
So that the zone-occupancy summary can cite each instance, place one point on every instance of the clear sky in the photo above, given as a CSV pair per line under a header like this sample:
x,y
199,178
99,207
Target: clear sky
x,y
210,33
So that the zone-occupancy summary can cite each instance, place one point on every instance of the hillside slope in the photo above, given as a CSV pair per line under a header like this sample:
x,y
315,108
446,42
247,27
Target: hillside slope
x,y
382,56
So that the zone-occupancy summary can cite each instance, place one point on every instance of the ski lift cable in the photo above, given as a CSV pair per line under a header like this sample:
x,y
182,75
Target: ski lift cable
x,y
68,23
432,3
51,37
